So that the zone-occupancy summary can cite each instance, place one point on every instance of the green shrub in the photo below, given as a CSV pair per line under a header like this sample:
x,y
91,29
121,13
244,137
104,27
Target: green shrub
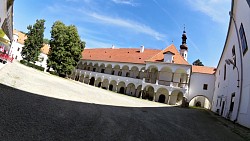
x,y
32,65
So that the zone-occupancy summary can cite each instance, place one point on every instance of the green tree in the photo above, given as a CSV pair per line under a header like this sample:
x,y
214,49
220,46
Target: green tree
x,y
65,48
197,63
34,41
46,41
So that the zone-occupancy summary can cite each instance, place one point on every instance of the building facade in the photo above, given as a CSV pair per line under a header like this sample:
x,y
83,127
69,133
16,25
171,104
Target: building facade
x,y
18,44
232,85
163,76
6,24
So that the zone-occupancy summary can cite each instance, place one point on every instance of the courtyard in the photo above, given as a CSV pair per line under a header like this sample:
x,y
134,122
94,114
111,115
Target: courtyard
x,y
38,106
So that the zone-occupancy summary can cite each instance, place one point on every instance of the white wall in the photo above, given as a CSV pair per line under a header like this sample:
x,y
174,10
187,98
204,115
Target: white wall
x,y
196,86
225,88
42,61
16,49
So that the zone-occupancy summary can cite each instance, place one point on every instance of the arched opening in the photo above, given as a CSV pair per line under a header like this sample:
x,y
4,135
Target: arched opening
x,y
134,73
130,89
142,73
98,82
152,74
116,70
77,77
85,66
110,87
96,67
122,90
200,101
125,71
165,76
162,98
108,69
162,91
180,78
138,91
176,98
86,79
90,67
105,84
92,81
81,78
148,93
102,68
121,87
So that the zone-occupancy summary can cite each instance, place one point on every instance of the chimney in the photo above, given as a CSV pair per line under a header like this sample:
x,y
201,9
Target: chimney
x,y
168,57
113,47
142,49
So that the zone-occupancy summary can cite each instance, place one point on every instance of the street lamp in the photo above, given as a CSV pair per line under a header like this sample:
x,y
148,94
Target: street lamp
x,y
231,62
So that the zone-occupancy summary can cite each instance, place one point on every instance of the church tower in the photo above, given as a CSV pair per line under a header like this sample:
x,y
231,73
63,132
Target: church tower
x,y
183,47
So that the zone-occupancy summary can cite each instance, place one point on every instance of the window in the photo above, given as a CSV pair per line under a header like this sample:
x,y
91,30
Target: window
x,y
225,71
218,84
18,49
233,51
88,68
94,69
232,102
113,72
243,39
205,87
234,56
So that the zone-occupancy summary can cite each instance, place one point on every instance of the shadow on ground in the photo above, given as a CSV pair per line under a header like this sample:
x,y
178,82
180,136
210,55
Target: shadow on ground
x,y
27,116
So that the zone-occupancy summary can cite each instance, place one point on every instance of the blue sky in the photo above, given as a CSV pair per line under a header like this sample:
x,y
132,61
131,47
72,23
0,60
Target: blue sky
x,y
132,23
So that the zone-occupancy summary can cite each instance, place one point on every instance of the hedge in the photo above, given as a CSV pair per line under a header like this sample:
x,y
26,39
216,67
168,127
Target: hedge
x,y
32,65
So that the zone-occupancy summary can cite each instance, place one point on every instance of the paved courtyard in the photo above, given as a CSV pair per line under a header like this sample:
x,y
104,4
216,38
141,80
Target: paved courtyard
x,y
38,106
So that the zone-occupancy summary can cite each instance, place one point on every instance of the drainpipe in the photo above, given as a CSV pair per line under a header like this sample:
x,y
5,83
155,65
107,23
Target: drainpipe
x,y
241,63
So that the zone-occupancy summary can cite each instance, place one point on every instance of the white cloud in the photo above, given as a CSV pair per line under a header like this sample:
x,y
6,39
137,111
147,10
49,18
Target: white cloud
x,y
216,9
90,43
134,26
126,2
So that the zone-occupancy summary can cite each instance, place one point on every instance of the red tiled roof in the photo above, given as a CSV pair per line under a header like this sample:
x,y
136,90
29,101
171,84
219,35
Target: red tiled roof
x,y
178,59
126,55
203,69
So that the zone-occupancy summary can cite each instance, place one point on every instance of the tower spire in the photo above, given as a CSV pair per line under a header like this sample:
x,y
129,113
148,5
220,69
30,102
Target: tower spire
x,y
183,47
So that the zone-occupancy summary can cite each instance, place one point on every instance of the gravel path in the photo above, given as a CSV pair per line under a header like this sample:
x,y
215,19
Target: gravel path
x,y
38,106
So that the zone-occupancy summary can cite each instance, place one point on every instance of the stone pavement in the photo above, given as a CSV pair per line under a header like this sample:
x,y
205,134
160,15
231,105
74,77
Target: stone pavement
x,y
236,128
38,106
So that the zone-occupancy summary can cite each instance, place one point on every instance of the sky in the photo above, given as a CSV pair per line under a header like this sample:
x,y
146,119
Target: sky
x,y
155,24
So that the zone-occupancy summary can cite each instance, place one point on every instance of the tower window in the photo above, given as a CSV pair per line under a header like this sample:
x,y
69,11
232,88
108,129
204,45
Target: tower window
x,y
243,39
205,87
18,49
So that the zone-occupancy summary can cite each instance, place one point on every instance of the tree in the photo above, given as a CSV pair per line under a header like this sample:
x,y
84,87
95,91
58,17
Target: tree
x,y
197,63
65,48
34,41
46,41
